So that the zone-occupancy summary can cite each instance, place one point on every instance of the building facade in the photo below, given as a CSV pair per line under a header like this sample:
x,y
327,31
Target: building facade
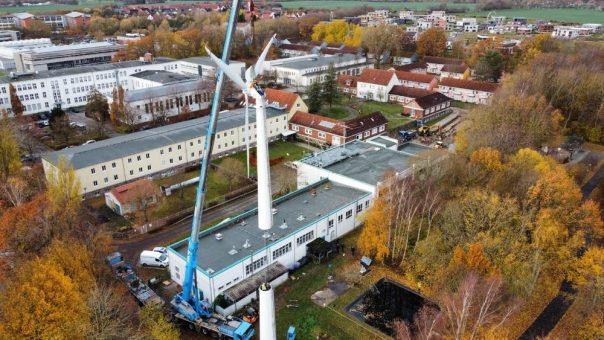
x,y
469,91
118,160
65,56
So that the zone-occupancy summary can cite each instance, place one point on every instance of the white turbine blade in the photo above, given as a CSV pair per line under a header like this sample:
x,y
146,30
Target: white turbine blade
x,y
259,67
236,78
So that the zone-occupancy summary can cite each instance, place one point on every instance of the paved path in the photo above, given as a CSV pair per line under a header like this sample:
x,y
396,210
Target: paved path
x,y
558,306
131,248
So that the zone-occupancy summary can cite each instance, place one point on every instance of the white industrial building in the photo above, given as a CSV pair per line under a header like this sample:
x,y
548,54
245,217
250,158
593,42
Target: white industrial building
x,y
303,71
65,56
334,187
8,49
155,152
9,35
147,104
41,91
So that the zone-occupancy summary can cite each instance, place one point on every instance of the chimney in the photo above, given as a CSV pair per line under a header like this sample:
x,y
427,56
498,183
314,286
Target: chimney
x,y
149,58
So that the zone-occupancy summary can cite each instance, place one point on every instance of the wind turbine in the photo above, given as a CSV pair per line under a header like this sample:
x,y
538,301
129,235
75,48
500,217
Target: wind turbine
x,y
265,216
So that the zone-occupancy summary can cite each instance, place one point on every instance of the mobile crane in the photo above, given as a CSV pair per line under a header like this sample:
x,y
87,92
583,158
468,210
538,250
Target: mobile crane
x,y
189,305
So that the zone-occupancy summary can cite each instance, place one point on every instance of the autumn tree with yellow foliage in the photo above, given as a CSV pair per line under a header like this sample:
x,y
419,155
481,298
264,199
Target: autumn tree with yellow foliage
x,y
338,31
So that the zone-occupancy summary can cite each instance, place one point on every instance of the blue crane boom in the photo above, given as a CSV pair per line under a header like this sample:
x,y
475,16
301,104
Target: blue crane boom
x,y
188,302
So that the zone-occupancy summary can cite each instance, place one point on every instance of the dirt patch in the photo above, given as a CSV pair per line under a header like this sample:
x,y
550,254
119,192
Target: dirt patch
x,y
330,293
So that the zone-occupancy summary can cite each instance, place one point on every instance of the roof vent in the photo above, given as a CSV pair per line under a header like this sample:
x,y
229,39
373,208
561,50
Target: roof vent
x,y
274,211
233,251
247,244
210,270
266,235
300,218
243,223
219,236
283,225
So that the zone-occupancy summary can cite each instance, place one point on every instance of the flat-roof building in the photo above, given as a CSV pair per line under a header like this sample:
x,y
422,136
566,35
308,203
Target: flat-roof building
x,y
70,87
65,56
9,35
153,78
327,205
233,252
152,152
303,71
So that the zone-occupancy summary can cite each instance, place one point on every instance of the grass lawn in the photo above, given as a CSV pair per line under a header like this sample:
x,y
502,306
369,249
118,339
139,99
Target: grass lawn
x,y
335,112
463,105
217,187
310,319
392,112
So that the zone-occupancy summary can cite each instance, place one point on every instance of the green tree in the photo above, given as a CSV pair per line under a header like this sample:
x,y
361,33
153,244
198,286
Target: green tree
x,y
330,86
98,108
15,103
489,66
314,97
10,161
59,124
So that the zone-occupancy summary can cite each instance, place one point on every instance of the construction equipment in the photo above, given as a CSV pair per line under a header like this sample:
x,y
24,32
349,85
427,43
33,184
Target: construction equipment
x,y
250,315
423,130
189,305
407,135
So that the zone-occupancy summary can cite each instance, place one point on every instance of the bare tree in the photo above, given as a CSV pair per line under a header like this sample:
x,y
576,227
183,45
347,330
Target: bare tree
x,y
15,191
109,319
144,195
477,306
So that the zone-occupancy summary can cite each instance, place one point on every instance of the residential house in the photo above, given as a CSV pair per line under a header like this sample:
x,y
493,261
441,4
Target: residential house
x,y
347,84
417,67
428,107
131,197
328,131
374,84
294,50
76,19
403,95
288,101
469,91
455,71
417,80
405,58
436,64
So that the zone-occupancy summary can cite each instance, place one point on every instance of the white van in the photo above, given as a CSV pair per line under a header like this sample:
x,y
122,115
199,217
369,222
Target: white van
x,y
151,258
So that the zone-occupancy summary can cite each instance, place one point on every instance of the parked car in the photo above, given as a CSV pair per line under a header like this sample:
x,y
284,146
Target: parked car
x,y
161,250
150,258
89,142
78,125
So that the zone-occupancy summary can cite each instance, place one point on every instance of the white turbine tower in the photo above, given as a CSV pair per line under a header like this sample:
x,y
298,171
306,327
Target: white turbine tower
x,y
265,216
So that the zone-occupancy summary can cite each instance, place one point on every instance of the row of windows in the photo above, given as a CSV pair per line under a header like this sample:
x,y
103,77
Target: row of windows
x,y
282,250
252,267
305,238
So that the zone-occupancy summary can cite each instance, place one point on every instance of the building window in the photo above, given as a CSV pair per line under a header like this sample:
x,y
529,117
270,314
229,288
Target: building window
x,y
349,214
250,268
170,149
282,250
359,208
340,218
321,134
95,183
306,237
179,147
308,131
106,180
131,172
103,167
147,155
330,223
129,160
138,158
148,167
92,171
113,165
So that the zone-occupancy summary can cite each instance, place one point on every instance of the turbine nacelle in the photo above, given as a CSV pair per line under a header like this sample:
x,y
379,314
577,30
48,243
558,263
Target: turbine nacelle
x,y
249,85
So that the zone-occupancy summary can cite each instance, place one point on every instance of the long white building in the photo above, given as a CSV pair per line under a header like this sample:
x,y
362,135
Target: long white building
x,y
303,71
334,187
154,152
65,56
41,91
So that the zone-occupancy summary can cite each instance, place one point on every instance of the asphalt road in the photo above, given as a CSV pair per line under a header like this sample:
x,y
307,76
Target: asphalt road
x,y
555,310
131,248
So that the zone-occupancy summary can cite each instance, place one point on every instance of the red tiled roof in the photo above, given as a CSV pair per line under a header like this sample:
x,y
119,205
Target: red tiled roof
x,y
470,84
295,47
455,68
432,100
442,61
412,66
375,76
126,193
284,98
416,77
344,79
363,123
318,122
334,45
410,92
